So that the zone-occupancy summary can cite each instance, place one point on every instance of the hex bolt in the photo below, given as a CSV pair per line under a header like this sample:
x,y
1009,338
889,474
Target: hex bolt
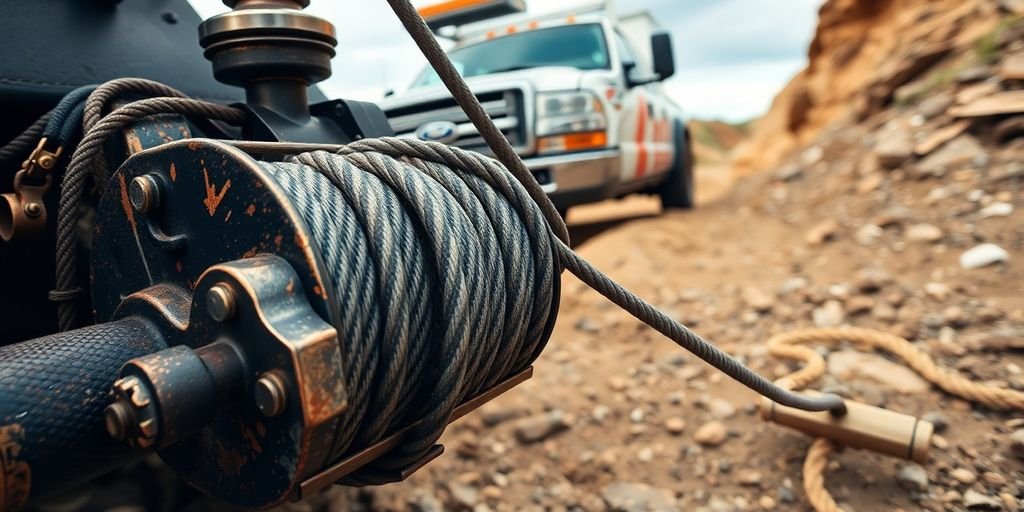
x,y
220,302
271,394
144,193
33,210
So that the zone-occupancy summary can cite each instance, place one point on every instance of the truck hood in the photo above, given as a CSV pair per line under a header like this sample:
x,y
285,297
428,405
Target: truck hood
x,y
542,79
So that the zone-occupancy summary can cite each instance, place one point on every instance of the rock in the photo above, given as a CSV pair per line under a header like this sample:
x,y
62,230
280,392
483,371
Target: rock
x,y
1012,66
935,105
895,146
958,153
913,477
757,299
1013,6
588,325
940,137
721,409
423,500
645,454
822,232
871,279
766,502
859,305
868,234
793,284
675,425
829,315
975,73
618,383
790,172
996,210
637,497
495,412
940,422
749,477
976,91
712,433
1017,443
924,233
870,183
786,495
999,103
851,365
964,476
994,479
975,500
636,415
884,312
937,291
540,426
983,255
954,316
463,495
892,215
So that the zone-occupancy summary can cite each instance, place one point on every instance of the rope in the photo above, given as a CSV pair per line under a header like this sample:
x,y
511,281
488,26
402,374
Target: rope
x,y
84,160
19,147
793,345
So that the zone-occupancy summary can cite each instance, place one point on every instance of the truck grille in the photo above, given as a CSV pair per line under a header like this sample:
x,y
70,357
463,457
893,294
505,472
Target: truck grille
x,y
506,108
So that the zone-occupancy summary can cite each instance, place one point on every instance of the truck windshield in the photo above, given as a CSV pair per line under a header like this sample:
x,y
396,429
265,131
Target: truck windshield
x,y
578,46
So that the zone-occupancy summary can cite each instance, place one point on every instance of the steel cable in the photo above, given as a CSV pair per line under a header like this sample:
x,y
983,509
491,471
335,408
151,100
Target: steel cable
x,y
444,271
83,162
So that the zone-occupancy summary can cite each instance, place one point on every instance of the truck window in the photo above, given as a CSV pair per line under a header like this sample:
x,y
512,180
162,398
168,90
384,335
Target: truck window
x,y
625,52
578,46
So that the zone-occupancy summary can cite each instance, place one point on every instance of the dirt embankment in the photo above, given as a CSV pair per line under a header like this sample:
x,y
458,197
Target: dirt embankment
x,y
863,52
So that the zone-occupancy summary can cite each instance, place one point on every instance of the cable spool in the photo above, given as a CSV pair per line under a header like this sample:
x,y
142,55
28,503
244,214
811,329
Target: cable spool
x,y
439,280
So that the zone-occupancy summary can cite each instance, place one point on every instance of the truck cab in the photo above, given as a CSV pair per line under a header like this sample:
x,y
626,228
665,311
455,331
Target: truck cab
x,y
578,94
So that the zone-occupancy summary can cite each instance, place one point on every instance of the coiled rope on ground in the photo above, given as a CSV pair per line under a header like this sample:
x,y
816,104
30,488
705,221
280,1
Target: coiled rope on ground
x,y
795,345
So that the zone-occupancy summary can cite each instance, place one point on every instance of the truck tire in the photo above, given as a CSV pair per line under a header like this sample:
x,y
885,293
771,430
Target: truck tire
x,y
677,190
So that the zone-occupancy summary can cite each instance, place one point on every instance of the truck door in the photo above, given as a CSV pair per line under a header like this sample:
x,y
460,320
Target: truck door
x,y
645,129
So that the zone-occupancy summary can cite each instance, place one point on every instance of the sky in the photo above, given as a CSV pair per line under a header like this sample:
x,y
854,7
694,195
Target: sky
x,y
732,56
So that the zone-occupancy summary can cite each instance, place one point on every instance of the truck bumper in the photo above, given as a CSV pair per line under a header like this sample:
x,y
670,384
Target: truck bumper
x,y
576,178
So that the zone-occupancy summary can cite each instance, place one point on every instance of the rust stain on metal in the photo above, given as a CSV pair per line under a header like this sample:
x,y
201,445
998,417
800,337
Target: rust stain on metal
x,y
126,203
213,198
290,288
251,252
174,172
251,210
15,475
132,139
251,439
229,460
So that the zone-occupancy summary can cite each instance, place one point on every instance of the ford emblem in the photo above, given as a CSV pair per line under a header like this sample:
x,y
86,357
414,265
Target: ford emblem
x,y
444,132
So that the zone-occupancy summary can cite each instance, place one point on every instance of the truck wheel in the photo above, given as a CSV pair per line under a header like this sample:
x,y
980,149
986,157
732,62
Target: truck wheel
x,y
677,191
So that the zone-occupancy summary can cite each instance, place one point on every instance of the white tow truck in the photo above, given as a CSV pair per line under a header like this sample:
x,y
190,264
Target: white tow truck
x,y
577,93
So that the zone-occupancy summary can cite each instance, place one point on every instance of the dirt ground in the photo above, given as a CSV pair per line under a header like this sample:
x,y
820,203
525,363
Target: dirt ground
x,y
611,418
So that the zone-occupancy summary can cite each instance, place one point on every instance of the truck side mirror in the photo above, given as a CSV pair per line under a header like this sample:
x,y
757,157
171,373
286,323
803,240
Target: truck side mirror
x,y
664,59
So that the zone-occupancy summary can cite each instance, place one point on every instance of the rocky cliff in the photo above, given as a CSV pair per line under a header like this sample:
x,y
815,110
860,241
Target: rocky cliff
x,y
870,57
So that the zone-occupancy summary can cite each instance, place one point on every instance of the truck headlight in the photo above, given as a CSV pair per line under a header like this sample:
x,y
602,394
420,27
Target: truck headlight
x,y
570,115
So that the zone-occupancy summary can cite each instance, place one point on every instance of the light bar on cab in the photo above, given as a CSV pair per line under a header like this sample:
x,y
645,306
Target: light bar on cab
x,y
461,12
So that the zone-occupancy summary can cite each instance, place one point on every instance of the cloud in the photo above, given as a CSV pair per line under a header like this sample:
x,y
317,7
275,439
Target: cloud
x,y
732,55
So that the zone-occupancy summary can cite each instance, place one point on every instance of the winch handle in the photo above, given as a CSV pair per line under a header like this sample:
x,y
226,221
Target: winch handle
x,y
53,392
